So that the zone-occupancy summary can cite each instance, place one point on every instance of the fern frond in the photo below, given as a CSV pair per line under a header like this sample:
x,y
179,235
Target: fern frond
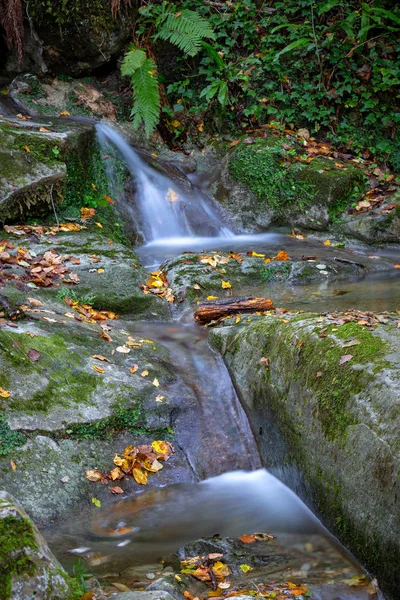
x,y
146,96
185,30
133,60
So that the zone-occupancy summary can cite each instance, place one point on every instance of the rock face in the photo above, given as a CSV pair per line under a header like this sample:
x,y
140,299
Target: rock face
x,y
74,39
253,184
330,430
27,567
33,164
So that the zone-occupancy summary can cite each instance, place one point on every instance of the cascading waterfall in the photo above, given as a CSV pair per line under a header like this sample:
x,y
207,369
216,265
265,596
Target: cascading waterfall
x,y
166,209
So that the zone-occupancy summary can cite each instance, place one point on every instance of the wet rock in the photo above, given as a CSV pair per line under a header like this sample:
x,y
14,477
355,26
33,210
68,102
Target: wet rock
x,y
33,171
193,280
337,425
28,568
374,227
251,183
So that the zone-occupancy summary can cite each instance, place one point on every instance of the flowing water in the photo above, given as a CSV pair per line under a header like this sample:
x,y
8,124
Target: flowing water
x,y
213,430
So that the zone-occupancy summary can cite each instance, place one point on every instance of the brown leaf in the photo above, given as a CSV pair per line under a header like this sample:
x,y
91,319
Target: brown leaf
x,y
13,465
116,490
139,476
33,354
105,336
93,475
247,539
345,358
100,357
133,368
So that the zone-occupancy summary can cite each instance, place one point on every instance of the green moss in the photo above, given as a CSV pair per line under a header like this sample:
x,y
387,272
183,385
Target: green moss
x,y
9,439
16,536
261,166
275,272
68,384
43,149
334,389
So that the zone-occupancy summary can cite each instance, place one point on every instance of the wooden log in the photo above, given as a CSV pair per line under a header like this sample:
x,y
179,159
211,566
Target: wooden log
x,y
215,309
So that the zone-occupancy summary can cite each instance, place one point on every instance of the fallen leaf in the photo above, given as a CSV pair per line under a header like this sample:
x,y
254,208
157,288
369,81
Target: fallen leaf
x,y
4,393
246,568
282,255
212,298
98,369
65,113
96,502
44,130
65,479
123,349
99,225
116,490
345,358
100,270
159,398
225,285
108,199
133,368
220,569
155,382
144,373
99,357
116,474
93,475
13,465
327,243
247,539
33,354
265,361
139,476
105,336
350,343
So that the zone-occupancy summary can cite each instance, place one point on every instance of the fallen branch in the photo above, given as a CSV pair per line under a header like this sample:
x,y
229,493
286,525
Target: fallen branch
x,y
215,309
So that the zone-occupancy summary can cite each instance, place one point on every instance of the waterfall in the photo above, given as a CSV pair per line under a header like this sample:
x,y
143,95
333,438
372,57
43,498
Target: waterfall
x,y
167,208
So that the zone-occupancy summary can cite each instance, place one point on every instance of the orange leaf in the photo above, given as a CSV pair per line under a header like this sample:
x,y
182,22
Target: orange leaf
x,y
13,465
133,368
109,200
98,369
247,539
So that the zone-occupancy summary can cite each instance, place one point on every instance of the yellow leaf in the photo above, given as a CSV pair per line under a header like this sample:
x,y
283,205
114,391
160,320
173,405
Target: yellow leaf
x,y
246,568
27,149
13,465
96,502
65,113
99,225
327,243
212,297
161,447
256,254
237,320
116,474
175,123
159,398
200,127
178,578
144,373
93,475
225,285
220,569
94,187
98,369
155,382
139,476
172,196
4,393
100,270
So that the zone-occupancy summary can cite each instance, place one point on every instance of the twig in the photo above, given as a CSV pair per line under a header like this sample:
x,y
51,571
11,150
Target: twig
x,y
52,203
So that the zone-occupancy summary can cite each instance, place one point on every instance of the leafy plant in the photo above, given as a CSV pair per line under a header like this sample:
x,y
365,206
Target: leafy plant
x,y
65,292
186,30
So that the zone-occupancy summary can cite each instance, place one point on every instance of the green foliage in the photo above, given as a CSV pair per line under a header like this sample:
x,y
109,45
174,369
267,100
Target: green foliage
x,y
16,539
260,166
185,29
9,439
332,67
65,292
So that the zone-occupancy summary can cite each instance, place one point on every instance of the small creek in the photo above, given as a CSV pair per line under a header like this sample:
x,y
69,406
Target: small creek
x,y
213,430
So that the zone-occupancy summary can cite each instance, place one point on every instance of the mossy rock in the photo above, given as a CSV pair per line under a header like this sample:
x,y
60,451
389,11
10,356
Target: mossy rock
x,y
260,185
331,429
27,567
81,36
34,165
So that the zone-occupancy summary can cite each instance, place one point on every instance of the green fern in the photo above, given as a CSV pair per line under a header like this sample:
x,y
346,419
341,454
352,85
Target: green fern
x,y
133,60
146,93
186,30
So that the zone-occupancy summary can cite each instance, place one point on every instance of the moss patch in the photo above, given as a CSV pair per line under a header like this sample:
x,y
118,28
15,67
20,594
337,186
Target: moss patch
x,y
16,539
9,440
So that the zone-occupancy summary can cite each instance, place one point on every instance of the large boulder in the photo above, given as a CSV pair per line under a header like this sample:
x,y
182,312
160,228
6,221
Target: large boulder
x,y
33,164
321,394
27,567
74,38
258,182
